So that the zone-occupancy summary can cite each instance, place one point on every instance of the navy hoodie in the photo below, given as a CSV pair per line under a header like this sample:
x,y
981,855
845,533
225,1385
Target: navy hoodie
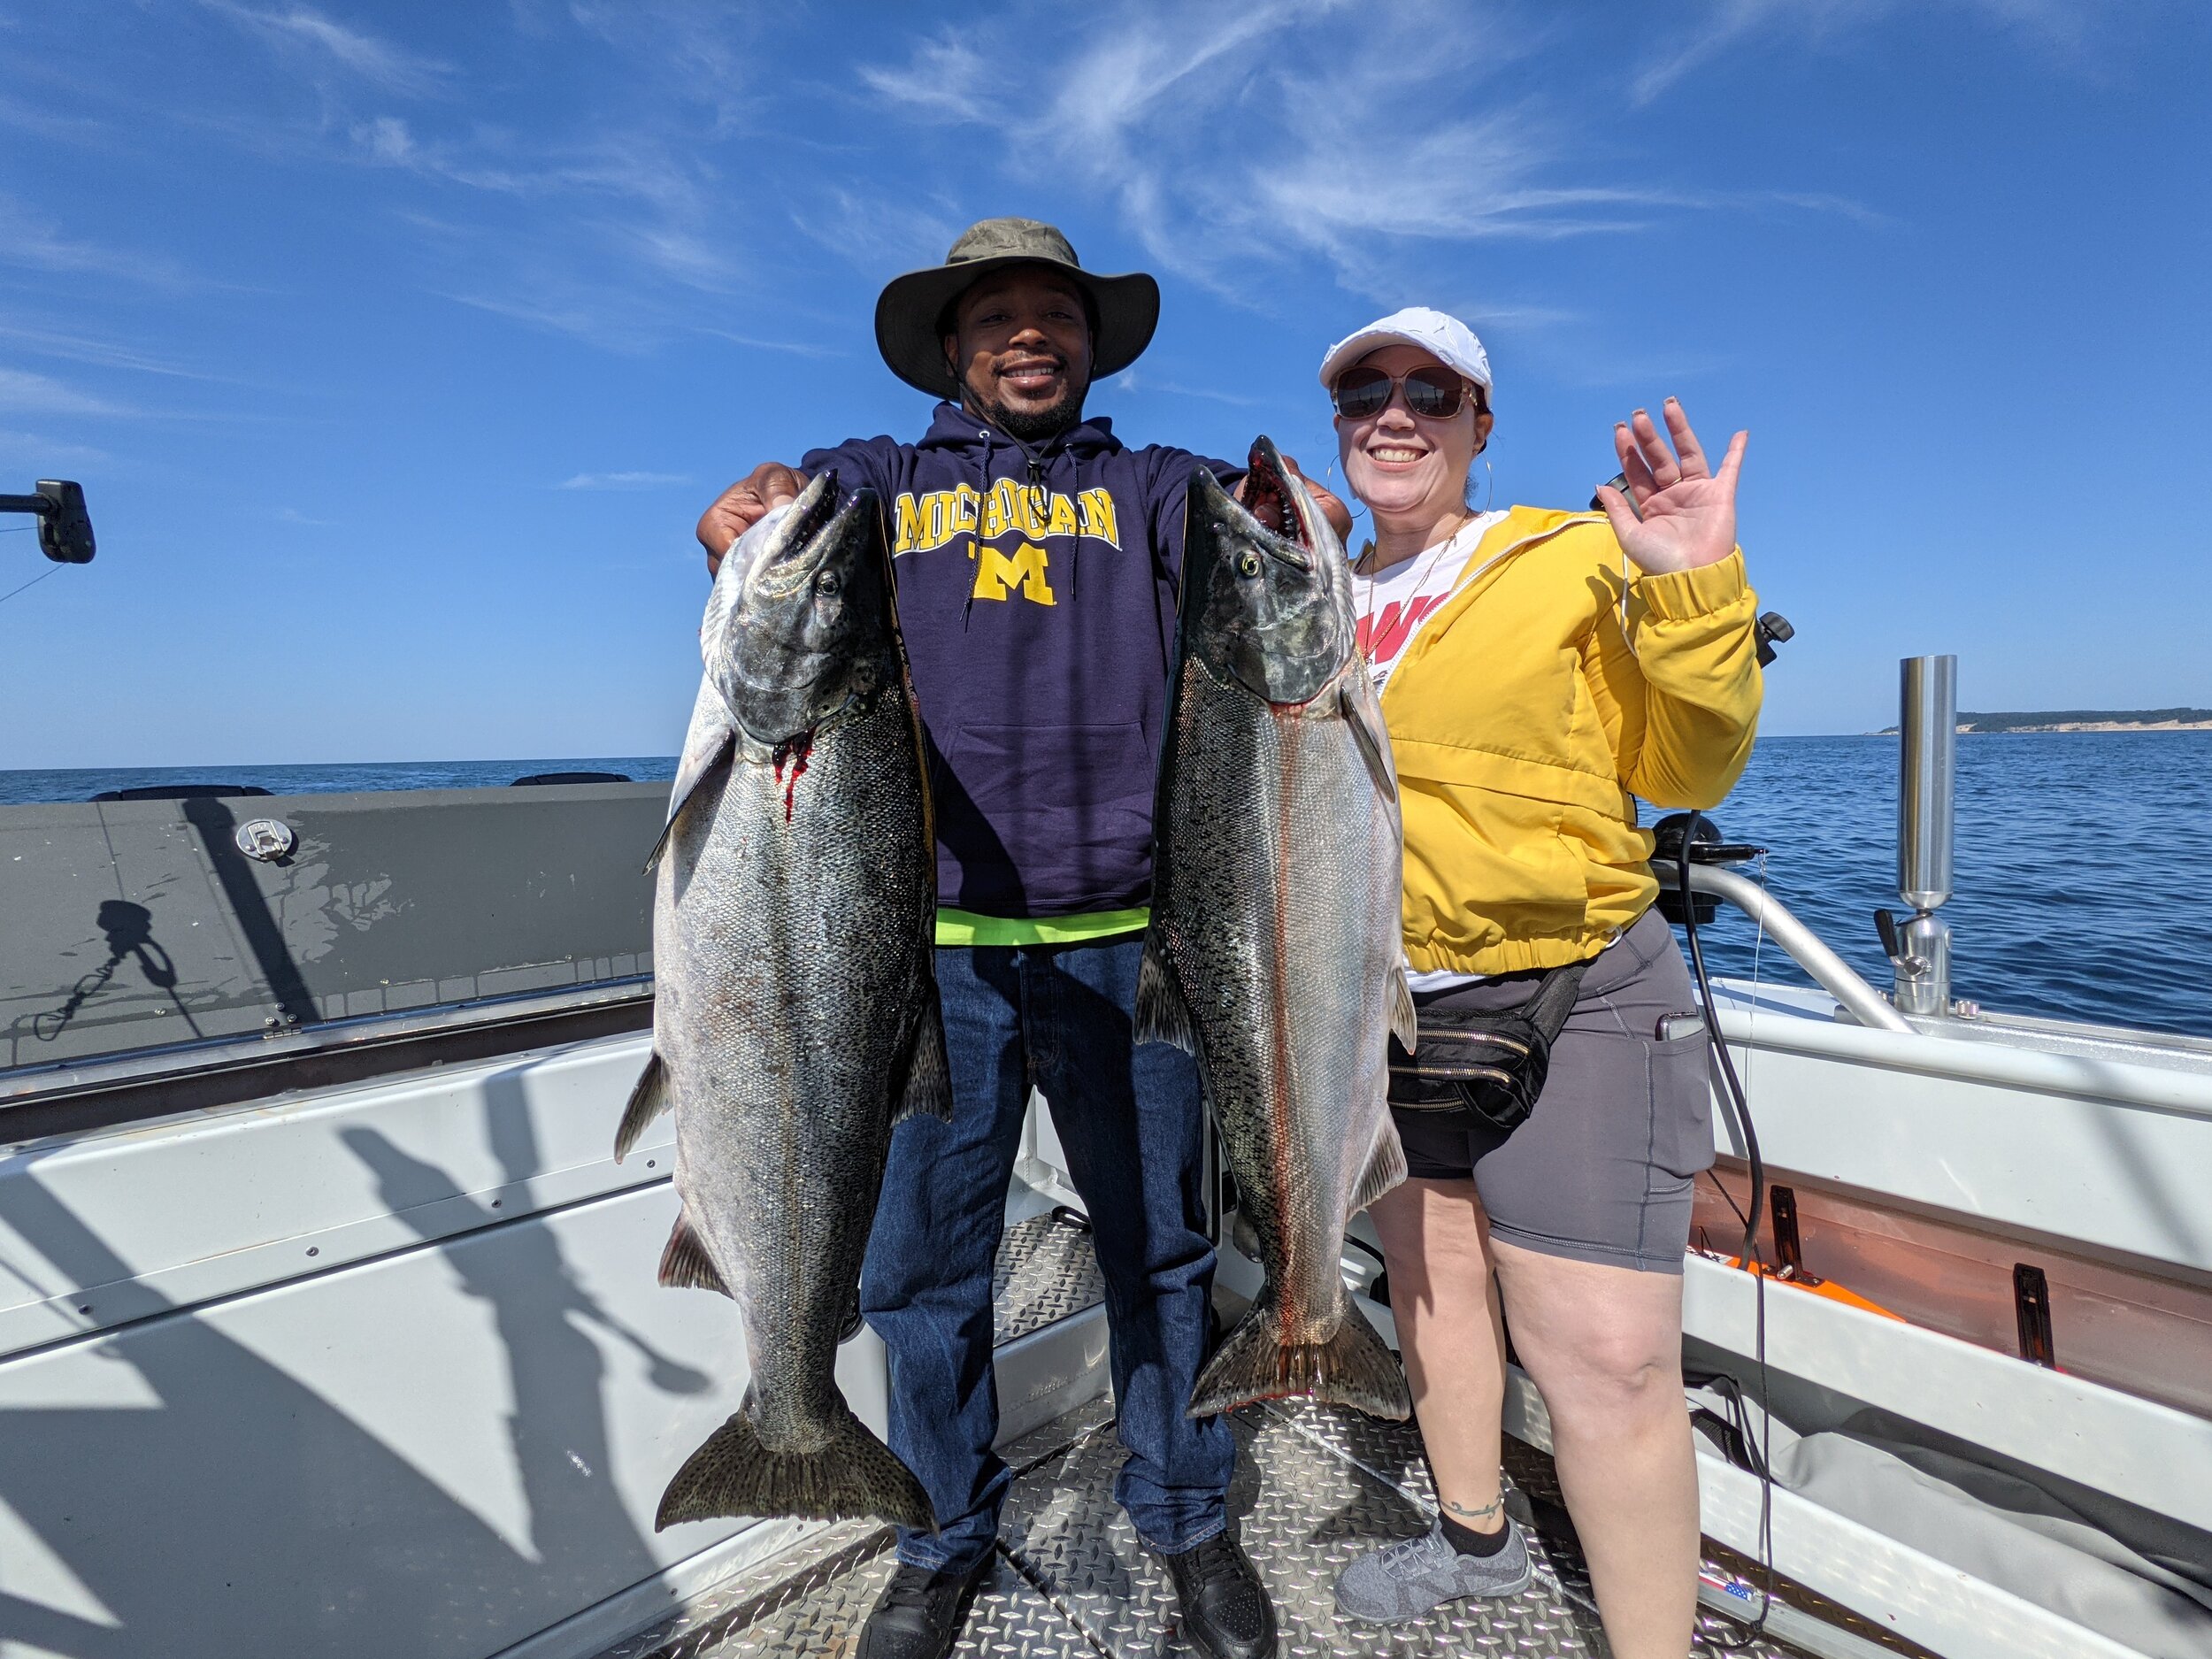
x,y
1036,587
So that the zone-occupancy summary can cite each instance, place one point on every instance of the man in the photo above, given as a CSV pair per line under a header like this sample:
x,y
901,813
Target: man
x,y
1036,560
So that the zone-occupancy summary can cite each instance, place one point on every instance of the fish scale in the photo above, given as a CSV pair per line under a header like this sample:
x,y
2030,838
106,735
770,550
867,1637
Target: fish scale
x,y
803,1024
1274,858
797,1018
1274,952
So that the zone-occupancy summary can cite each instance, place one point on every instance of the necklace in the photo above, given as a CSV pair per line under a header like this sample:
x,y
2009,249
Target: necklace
x,y
1435,553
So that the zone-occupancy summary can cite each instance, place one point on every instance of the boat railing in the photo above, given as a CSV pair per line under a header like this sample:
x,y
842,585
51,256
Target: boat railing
x,y
1804,946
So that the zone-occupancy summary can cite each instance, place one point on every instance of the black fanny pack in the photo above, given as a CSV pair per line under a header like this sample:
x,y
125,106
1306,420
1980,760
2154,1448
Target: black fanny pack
x,y
1489,1063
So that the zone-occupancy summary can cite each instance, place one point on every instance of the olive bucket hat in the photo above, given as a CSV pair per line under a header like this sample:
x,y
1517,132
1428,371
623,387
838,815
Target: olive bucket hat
x,y
910,312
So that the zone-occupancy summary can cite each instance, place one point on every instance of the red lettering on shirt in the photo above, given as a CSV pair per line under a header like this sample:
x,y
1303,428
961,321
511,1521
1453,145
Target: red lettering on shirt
x,y
1383,635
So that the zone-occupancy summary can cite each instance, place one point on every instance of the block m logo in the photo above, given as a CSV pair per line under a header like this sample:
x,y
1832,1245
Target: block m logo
x,y
1023,568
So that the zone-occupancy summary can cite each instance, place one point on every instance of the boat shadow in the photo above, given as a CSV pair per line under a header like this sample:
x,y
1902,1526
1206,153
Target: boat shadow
x,y
193,1496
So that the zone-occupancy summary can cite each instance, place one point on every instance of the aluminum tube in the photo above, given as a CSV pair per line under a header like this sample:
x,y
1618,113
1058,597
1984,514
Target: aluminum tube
x,y
1829,971
1927,726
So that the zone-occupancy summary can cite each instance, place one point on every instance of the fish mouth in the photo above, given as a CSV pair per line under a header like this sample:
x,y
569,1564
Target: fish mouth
x,y
799,649
807,539
1277,507
1269,595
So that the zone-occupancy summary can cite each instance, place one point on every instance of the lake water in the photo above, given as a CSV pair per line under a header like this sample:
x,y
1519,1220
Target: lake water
x,y
2084,876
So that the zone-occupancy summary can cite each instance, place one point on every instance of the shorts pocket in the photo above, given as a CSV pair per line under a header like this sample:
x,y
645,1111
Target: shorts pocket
x,y
1681,1105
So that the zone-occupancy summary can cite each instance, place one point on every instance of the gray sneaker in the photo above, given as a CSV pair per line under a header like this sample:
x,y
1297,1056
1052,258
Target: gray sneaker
x,y
1408,1578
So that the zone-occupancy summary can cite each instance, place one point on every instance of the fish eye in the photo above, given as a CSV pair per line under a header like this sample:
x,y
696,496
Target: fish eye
x,y
825,582
1247,563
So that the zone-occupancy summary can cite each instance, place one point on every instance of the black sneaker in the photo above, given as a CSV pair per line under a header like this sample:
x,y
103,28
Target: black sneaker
x,y
919,1614
1226,1614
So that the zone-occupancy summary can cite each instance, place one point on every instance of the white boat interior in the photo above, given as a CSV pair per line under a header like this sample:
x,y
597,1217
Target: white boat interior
x,y
329,1325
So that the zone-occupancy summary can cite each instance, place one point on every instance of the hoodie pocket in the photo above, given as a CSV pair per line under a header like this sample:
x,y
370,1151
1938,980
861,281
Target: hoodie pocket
x,y
1069,808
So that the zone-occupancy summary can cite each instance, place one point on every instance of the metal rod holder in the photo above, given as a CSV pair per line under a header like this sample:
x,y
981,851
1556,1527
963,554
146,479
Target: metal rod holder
x,y
1927,765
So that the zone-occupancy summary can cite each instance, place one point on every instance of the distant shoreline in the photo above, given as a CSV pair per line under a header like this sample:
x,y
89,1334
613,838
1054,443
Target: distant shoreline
x,y
2082,721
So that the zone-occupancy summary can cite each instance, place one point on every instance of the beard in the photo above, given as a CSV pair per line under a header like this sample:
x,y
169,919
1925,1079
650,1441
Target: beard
x,y
1033,426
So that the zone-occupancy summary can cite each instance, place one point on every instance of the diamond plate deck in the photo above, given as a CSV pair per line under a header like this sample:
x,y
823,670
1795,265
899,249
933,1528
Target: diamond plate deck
x,y
1315,1488
1045,1270
1304,1512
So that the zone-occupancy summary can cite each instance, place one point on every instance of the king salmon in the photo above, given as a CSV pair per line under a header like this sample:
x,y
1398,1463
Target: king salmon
x,y
1274,955
795,1016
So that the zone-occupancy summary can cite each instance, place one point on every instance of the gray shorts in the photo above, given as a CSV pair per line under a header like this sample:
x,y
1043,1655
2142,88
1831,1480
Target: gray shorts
x,y
1601,1170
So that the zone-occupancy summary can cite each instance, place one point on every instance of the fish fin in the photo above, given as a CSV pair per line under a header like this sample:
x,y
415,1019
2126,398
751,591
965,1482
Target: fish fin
x,y
1386,1168
1163,1015
1352,1368
851,1473
1361,715
647,1100
928,1090
709,745
685,1264
1404,1025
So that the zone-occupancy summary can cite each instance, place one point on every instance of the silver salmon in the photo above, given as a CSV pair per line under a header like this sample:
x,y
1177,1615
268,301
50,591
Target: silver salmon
x,y
795,1017
1274,954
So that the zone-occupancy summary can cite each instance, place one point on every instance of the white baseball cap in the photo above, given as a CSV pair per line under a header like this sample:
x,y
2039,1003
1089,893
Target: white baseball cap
x,y
1447,339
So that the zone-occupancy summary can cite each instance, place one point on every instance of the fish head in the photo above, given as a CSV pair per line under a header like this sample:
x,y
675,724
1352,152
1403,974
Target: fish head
x,y
1267,597
810,631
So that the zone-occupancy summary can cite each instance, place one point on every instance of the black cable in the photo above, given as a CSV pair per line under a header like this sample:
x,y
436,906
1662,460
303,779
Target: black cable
x,y
26,585
1739,1105
1734,1089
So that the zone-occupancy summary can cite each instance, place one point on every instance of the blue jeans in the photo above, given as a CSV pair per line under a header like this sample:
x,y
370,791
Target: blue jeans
x,y
1129,1118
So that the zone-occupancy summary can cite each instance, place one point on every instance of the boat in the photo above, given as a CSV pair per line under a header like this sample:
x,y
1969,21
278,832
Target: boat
x,y
329,1323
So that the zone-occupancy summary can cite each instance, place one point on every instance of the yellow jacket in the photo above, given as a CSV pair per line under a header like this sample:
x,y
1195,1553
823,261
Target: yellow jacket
x,y
1555,681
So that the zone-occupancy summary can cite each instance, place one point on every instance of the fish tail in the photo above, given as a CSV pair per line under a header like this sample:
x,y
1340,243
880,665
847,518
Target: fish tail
x,y
1352,1368
852,1473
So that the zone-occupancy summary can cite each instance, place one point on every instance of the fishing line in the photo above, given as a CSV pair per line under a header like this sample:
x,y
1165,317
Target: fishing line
x,y
1739,1106
26,585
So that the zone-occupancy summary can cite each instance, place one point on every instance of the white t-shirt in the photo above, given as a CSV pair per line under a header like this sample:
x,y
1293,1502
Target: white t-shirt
x,y
1395,604
1392,608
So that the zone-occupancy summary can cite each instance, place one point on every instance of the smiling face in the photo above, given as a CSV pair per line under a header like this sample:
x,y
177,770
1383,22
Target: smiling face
x,y
1404,466
1022,350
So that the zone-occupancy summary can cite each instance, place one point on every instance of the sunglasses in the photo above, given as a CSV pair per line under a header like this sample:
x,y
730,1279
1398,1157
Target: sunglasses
x,y
1434,393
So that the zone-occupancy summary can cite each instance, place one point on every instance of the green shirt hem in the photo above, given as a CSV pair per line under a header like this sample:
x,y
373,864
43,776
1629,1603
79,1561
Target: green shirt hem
x,y
966,927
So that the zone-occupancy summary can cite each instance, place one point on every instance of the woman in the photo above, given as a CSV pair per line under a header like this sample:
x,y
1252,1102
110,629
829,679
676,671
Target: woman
x,y
1538,669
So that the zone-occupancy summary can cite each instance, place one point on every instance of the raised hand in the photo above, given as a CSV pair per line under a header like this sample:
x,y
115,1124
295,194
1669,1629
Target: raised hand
x,y
738,508
1689,510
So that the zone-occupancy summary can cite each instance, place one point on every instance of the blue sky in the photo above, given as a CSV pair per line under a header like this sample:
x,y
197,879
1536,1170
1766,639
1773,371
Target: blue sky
x,y
398,346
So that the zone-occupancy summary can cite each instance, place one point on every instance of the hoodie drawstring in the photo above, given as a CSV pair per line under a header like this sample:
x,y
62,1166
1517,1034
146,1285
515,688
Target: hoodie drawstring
x,y
1075,557
975,537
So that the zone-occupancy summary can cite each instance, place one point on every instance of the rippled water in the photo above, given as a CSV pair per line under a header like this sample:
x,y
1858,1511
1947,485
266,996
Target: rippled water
x,y
2083,881
2084,884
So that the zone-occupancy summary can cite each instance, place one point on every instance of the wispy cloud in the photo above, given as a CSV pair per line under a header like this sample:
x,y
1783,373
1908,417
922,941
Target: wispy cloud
x,y
33,243
2062,28
302,32
1132,381
1225,159
48,455
24,392
599,214
623,480
100,353
877,230
796,348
